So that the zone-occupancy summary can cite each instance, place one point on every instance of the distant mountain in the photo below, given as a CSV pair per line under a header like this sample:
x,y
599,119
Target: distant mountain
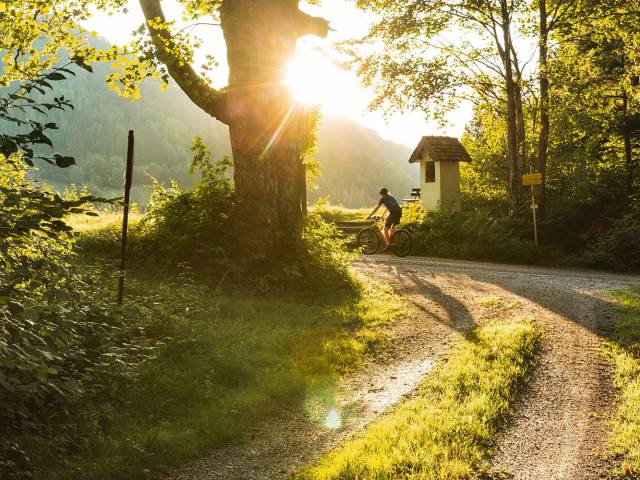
x,y
355,161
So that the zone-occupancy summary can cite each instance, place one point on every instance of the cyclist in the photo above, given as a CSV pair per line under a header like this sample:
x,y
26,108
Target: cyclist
x,y
395,213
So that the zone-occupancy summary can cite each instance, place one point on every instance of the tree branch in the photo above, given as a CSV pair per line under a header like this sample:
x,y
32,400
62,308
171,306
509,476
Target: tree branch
x,y
308,25
204,96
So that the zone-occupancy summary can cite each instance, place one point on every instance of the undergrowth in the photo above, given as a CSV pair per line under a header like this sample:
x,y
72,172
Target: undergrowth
x,y
624,352
204,345
446,431
330,212
220,363
475,233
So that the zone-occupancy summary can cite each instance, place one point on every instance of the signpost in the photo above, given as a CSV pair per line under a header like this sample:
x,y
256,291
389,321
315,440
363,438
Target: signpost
x,y
125,216
531,180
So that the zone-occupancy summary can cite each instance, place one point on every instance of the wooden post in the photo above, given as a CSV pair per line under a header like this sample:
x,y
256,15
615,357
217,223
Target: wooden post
x,y
534,209
125,216
303,188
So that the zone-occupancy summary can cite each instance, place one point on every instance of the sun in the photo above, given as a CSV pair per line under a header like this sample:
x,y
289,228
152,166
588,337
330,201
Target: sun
x,y
315,80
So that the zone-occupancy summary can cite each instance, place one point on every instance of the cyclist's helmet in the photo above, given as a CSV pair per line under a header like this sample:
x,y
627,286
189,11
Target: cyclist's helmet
x,y
384,191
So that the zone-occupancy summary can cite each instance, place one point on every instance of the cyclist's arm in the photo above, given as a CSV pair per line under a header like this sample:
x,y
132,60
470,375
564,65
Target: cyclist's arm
x,y
374,210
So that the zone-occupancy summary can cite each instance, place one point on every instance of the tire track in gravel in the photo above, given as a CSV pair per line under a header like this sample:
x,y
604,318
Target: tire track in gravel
x,y
560,425
447,299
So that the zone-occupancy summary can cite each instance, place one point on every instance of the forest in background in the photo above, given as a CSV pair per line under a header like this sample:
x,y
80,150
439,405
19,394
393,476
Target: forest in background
x,y
221,313
354,161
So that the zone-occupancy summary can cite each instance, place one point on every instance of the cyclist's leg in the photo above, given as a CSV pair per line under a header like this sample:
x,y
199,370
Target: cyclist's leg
x,y
389,228
386,236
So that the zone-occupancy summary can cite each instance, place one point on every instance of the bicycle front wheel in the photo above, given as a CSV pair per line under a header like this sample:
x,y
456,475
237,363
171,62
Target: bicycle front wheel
x,y
369,241
401,243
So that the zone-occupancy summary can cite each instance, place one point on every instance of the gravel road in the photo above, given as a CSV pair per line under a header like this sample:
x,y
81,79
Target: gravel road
x,y
558,429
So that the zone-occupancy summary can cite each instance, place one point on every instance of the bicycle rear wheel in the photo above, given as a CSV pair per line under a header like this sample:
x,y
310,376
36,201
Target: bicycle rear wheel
x,y
401,243
369,241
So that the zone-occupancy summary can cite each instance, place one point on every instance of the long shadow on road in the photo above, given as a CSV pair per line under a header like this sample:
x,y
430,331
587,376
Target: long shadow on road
x,y
560,426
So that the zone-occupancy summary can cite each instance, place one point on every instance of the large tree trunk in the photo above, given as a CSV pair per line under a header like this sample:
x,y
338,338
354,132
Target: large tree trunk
x,y
512,130
266,127
264,120
628,148
521,128
543,67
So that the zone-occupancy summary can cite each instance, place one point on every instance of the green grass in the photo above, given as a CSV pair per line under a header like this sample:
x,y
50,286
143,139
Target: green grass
x,y
225,361
337,213
106,218
446,431
624,352
228,357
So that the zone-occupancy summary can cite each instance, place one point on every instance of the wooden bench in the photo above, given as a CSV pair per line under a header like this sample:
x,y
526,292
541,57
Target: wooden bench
x,y
415,196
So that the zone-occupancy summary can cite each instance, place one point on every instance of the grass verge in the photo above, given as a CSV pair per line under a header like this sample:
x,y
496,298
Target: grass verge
x,y
446,431
337,213
223,362
624,352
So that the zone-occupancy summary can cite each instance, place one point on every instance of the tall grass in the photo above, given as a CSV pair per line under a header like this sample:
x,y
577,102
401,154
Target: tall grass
x,y
446,431
223,361
624,351
331,212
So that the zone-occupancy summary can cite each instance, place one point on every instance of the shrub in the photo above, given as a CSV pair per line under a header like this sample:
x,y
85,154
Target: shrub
x,y
617,248
61,343
473,233
193,228
189,225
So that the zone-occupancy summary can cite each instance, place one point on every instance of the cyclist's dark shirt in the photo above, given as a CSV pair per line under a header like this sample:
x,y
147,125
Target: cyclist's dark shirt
x,y
389,202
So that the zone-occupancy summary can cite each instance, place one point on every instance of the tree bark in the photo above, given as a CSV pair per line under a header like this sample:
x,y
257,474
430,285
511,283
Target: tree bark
x,y
543,68
266,124
512,130
264,121
628,148
521,127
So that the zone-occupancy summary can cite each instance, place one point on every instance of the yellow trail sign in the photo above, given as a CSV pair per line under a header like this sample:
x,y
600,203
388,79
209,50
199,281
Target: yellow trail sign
x,y
530,179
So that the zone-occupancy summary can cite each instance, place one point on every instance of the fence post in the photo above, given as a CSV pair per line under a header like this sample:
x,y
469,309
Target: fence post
x,y
125,216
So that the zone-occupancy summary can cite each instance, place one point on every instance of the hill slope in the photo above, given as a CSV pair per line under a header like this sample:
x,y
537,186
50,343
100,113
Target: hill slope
x,y
355,161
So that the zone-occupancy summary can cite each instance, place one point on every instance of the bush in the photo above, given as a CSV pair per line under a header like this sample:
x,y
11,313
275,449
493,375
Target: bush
x,y
617,248
190,225
193,228
473,233
62,344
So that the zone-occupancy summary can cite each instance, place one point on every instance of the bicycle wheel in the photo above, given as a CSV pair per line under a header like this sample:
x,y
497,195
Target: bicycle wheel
x,y
401,243
369,240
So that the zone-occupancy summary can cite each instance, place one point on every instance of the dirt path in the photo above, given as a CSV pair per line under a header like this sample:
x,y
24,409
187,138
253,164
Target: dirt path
x,y
553,435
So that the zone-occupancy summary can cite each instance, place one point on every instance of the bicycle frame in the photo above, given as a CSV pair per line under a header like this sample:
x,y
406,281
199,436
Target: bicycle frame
x,y
378,224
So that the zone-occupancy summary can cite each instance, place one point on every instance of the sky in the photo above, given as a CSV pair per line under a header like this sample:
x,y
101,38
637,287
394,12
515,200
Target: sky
x,y
314,77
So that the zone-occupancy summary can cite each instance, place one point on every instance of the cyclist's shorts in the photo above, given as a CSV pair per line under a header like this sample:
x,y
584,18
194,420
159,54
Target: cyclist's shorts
x,y
394,217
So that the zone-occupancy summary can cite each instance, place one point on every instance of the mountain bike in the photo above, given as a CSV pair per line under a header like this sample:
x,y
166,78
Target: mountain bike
x,y
370,239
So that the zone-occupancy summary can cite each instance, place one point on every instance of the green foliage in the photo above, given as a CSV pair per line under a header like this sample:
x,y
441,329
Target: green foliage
x,y
474,232
31,46
613,248
189,225
624,352
61,345
422,67
446,431
221,363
